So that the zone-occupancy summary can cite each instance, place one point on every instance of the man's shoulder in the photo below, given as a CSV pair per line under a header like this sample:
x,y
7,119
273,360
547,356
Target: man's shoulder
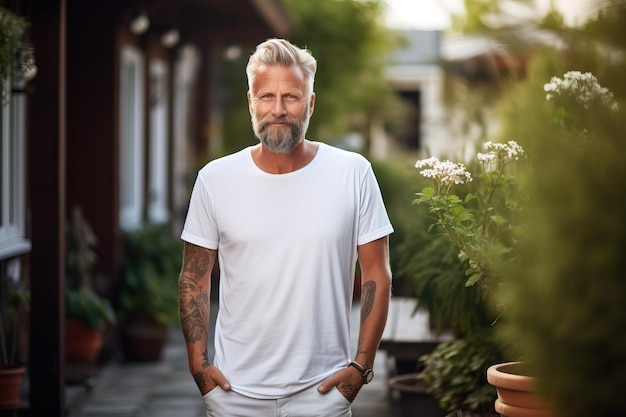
x,y
226,162
346,156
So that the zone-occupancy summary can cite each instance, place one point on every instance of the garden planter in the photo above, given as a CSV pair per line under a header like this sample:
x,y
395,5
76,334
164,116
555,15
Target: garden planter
x,y
410,393
516,396
10,381
82,346
145,341
82,342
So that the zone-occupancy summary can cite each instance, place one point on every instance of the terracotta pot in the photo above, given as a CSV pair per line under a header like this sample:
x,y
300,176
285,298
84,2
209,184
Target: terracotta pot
x,y
145,341
410,393
82,347
10,381
516,396
82,342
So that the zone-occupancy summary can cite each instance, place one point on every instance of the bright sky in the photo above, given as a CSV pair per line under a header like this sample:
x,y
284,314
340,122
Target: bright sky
x,y
435,14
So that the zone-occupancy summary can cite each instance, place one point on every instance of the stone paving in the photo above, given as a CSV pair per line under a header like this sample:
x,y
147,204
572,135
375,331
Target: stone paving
x,y
166,389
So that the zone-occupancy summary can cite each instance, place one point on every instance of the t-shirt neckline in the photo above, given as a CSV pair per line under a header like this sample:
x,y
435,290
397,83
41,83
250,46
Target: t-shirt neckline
x,y
305,168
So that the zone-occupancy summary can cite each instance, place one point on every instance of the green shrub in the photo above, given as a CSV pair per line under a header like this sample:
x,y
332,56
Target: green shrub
x,y
149,286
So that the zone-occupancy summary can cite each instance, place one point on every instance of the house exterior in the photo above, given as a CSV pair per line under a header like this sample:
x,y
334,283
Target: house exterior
x,y
416,74
113,122
420,72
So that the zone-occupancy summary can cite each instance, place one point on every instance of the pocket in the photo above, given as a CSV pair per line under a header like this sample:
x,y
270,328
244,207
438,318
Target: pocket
x,y
210,394
343,399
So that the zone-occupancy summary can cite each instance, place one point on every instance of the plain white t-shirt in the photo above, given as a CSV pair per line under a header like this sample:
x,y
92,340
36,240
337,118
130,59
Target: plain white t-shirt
x,y
287,249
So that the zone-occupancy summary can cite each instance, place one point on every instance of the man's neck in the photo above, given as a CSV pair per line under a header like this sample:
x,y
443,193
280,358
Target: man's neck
x,y
283,163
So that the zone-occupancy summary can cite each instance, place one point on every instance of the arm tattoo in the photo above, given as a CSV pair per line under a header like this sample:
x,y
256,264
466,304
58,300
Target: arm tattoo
x,y
368,295
194,296
199,376
200,380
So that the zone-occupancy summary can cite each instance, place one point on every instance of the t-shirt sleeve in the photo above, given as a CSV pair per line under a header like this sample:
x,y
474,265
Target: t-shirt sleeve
x,y
200,226
373,219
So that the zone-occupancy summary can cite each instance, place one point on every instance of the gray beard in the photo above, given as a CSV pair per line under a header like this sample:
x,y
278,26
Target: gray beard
x,y
281,139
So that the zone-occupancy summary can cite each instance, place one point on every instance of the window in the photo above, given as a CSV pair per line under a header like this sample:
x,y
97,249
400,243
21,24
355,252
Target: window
x,y
131,137
159,126
12,173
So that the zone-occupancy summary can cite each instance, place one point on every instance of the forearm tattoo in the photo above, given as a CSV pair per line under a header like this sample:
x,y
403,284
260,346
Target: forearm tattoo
x,y
194,299
368,295
199,376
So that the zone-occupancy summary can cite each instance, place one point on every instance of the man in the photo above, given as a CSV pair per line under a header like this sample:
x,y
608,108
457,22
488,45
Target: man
x,y
287,219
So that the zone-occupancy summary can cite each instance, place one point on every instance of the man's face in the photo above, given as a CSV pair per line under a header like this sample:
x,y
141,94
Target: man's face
x,y
280,107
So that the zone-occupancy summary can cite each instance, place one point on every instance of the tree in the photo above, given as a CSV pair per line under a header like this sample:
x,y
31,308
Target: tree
x,y
352,48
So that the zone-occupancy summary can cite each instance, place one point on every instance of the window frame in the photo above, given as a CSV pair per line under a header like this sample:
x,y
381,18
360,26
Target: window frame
x,y
158,211
13,239
131,136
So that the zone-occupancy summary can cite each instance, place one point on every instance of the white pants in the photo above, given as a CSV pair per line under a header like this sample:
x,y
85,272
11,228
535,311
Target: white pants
x,y
308,403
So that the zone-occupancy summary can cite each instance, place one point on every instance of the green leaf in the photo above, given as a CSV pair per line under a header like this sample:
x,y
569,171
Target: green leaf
x,y
428,191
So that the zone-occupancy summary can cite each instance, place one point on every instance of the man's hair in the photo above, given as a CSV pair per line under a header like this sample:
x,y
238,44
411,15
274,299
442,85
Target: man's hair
x,y
281,52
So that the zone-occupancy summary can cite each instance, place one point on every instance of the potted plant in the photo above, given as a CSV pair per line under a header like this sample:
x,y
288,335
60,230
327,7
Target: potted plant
x,y
477,220
574,249
520,264
148,294
14,300
86,312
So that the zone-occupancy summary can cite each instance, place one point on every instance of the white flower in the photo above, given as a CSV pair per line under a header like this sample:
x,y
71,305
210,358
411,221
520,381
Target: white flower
x,y
511,149
584,88
499,154
444,172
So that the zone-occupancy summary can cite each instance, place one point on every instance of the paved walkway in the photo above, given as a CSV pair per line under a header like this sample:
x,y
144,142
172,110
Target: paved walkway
x,y
166,389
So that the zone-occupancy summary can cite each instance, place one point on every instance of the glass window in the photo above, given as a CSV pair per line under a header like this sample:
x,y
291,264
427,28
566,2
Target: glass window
x,y
13,239
159,126
131,137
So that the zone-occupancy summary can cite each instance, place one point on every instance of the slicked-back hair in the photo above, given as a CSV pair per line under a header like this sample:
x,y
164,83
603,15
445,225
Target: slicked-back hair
x,y
281,52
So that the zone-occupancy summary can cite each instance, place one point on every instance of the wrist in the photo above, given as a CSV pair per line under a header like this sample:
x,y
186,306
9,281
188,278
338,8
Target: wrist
x,y
366,373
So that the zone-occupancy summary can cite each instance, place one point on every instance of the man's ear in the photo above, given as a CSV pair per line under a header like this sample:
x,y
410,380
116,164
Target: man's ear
x,y
312,104
250,108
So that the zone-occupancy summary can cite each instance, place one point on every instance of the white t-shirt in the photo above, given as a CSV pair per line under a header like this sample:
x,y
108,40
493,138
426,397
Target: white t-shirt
x,y
287,249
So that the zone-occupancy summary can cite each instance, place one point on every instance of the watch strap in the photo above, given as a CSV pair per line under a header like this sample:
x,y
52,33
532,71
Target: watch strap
x,y
367,374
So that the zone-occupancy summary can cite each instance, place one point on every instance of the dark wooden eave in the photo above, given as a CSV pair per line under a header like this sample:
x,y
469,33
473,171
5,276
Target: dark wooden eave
x,y
221,20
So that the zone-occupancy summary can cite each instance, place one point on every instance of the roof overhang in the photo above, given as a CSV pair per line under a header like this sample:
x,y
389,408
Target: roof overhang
x,y
230,21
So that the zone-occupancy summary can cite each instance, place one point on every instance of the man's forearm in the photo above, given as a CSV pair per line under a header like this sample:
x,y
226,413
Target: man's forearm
x,y
194,290
374,308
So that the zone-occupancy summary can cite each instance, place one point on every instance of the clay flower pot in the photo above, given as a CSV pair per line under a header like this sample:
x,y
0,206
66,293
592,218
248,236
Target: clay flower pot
x,y
410,392
516,396
10,380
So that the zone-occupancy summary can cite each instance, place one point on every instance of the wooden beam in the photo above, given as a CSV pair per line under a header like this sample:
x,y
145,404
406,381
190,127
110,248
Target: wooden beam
x,y
47,187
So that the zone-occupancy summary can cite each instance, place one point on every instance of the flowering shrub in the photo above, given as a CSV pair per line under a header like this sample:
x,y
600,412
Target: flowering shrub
x,y
580,106
572,258
481,225
569,256
583,88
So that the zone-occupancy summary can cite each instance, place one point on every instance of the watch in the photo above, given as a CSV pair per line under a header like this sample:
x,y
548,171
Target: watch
x,y
367,374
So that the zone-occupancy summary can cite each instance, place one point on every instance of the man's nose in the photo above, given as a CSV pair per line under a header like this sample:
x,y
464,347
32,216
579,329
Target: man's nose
x,y
279,108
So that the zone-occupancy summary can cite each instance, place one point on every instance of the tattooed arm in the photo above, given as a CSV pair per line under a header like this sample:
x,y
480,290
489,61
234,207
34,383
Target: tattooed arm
x,y
194,286
375,292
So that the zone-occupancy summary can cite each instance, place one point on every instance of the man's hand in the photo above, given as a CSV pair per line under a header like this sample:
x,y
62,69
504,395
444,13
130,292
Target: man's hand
x,y
209,378
348,381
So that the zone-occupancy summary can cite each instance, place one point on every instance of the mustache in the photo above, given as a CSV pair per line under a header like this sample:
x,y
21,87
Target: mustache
x,y
281,119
